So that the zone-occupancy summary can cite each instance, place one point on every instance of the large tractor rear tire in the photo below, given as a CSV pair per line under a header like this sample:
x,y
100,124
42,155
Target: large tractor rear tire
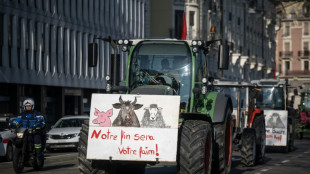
x,y
86,165
292,135
195,147
223,145
248,147
102,166
259,126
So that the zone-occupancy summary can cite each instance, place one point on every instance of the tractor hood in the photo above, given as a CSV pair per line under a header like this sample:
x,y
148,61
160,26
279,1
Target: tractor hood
x,y
153,90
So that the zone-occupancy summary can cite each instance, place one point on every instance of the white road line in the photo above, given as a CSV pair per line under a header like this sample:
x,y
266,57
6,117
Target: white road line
x,y
285,161
264,170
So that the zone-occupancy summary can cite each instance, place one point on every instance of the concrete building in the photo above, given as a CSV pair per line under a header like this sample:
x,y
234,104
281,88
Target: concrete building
x,y
43,51
293,39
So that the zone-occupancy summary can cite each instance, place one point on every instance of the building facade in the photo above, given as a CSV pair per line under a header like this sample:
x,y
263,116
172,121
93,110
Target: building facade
x,y
293,39
44,46
248,26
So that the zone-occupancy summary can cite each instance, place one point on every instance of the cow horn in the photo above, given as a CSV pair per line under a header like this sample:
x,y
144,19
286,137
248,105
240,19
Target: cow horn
x,y
134,102
121,100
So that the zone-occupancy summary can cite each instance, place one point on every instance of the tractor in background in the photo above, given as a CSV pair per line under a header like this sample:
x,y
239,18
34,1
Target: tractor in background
x,y
249,134
304,113
272,99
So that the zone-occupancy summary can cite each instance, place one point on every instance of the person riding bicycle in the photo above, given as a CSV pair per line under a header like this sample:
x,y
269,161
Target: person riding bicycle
x,y
32,119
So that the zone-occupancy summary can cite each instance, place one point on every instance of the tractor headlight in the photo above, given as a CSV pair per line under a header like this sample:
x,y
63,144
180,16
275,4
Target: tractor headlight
x,y
194,43
199,43
20,135
195,49
204,90
204,80
124,48
120,42
126,42
108,88
107,78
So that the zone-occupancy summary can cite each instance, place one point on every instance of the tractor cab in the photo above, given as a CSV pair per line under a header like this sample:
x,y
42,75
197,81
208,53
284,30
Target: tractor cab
x,y
271,94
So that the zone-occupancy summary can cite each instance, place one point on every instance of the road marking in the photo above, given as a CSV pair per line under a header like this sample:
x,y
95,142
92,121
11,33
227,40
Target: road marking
x,y
285,161
264,170
306,152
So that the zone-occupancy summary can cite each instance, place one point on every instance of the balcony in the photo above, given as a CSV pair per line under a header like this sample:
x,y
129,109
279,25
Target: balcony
x,y
285,54
305,53
296,73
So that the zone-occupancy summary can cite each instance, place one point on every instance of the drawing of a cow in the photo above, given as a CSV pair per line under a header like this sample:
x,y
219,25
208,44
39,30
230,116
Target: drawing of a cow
x,y
152,117
126,116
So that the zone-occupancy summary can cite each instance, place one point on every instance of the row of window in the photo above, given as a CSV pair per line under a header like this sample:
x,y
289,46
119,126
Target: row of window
x,y
287,31
287,65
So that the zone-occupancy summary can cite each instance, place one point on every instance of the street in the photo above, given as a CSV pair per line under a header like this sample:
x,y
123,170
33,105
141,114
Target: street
x,y
275,163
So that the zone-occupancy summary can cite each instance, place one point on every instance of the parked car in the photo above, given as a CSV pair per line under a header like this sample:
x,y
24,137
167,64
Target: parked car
x,y
6,139
65,133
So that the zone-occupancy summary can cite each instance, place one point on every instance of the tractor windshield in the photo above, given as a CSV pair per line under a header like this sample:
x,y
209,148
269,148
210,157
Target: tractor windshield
x,y
306,101
270,98
165,63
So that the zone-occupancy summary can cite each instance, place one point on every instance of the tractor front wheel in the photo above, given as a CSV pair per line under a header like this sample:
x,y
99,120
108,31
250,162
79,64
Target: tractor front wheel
x,y
259,126
248,147
195,147
223,145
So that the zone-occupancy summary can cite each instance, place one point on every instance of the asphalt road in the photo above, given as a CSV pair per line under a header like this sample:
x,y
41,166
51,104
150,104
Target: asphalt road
x,y
297,162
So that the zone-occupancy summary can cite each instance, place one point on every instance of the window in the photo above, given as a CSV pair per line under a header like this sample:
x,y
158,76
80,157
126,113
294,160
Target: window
x,y
287,46
191,18
287,30
306,65
306,46
287,66
306,28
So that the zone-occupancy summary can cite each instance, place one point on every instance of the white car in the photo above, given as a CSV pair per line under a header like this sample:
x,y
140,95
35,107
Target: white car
x,y
65,133
6,139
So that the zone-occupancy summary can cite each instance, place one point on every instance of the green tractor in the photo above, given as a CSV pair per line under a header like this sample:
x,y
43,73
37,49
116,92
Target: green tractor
x,y
157,68
304,112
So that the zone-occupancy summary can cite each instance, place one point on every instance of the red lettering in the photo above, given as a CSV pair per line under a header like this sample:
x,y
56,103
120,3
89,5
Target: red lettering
x,y
103,136
124,136
146,151
279,138
95,134
268,136
143,137
127,151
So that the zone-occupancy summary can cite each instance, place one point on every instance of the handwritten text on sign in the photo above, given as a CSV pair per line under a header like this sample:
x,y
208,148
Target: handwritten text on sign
x,y
276,127
132,144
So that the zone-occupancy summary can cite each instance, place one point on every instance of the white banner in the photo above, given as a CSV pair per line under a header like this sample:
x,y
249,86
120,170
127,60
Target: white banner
x,y
276,127
133,127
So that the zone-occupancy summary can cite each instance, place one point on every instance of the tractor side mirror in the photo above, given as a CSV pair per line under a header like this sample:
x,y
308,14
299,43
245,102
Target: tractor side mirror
x,y
223,57
92,54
